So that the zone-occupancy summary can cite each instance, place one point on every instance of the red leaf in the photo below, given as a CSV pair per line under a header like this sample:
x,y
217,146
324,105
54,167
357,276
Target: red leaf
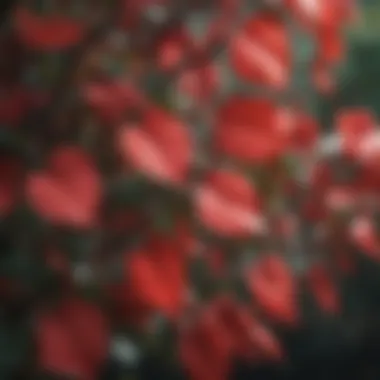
x,y
57,351
299,129
157,278
363,235
260,52
47,32
355,122
160,148
368,150
247,129
144,154
172,50
226,204
199,83
205,348
238,322
352,125
274,289
331,47
322,13
88,327
268,346
110,101
68,191
248,337
339,198
323,289
322,77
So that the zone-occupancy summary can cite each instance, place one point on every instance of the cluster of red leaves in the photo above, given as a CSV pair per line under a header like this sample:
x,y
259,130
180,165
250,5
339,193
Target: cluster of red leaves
x,y
214,171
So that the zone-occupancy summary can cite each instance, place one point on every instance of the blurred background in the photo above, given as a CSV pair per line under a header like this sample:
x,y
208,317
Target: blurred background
x,y
328,348
359,75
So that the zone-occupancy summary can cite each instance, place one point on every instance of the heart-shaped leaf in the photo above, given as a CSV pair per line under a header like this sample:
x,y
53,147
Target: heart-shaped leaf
x,y
87,325
57,351
228,205
260,52
274,289
68,191
157,278
247,129
160,147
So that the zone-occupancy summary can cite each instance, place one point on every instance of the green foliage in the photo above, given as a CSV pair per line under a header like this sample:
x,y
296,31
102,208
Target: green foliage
x,y
357,81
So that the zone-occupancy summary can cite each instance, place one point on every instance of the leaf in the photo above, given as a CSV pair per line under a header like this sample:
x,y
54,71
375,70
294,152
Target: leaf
x,y
274,289
47,32
247,130
57,352
157,276
89,328
260,51
324,290
159,148
68,191
227,205
111,100
322,13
